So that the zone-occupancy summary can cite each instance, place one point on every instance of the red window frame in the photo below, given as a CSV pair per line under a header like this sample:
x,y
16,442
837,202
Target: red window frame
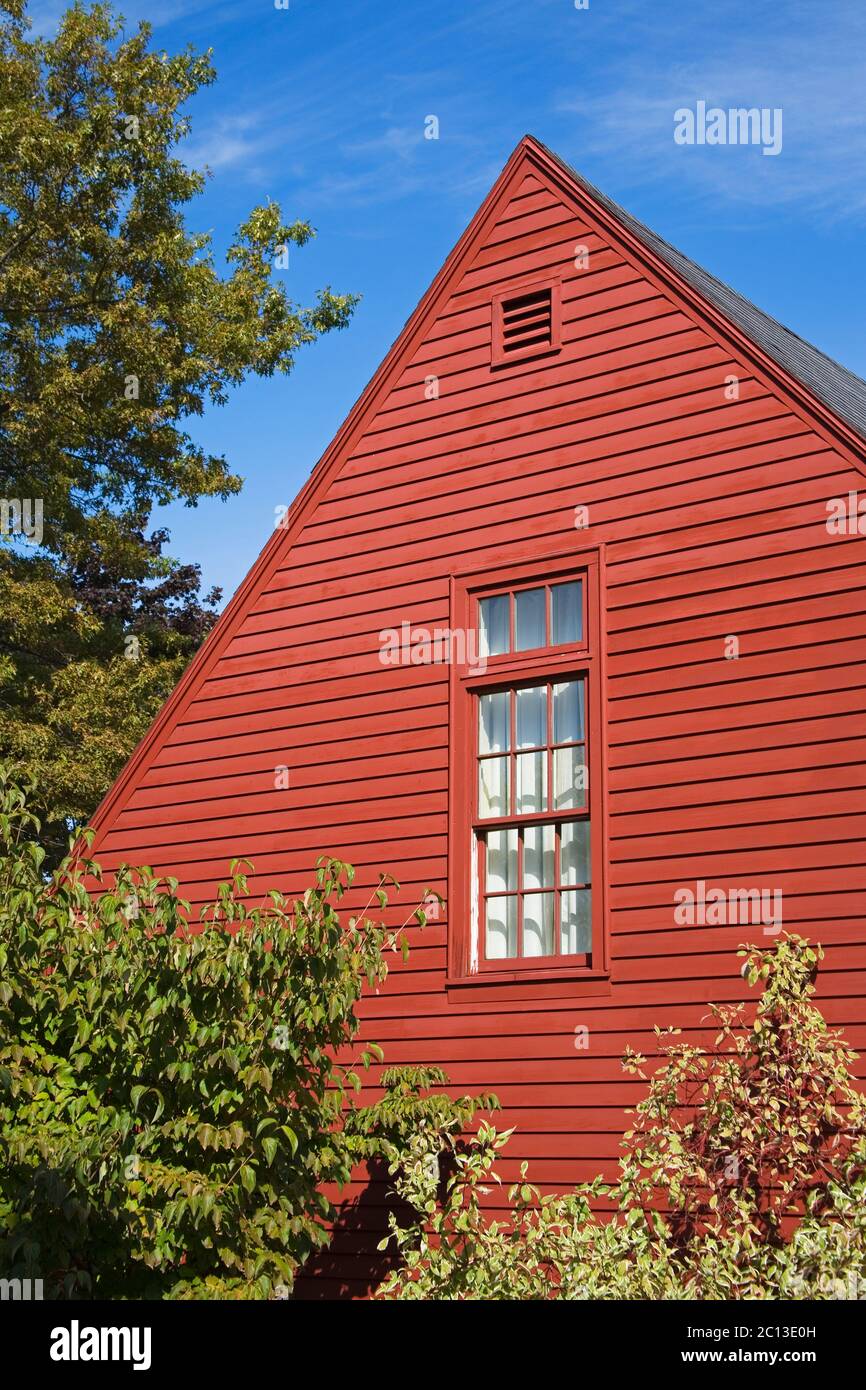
x,y
546,665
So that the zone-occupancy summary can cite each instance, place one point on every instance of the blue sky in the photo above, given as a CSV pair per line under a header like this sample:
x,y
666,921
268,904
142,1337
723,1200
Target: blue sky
x,y
321,107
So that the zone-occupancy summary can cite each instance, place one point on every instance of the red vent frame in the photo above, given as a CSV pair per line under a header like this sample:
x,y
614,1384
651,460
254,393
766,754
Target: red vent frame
x,y
526,322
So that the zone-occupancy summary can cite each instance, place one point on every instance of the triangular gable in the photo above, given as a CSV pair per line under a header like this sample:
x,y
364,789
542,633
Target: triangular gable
x,y
531,168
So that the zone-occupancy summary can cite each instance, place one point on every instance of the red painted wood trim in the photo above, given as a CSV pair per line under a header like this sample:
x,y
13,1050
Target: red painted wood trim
x,y
514,572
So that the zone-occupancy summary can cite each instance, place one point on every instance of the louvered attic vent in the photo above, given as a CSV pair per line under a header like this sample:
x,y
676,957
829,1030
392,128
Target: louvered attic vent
x,y
525,323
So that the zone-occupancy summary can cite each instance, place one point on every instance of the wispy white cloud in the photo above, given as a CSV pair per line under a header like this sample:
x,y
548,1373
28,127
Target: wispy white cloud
x,y
229,142
344,123
46,14
813,72
402,141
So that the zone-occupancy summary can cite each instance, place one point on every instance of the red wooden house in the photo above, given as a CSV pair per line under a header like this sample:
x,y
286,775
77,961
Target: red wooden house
x,y
568,623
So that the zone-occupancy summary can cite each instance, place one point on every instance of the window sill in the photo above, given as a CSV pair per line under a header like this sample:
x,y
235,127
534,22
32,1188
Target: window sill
x,y
528,984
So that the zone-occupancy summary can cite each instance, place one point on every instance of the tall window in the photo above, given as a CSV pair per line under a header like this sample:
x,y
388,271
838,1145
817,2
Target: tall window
x,y
531,784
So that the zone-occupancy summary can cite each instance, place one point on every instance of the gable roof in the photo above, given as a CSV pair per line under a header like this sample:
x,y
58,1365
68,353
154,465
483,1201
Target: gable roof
x,y
834,397
841,390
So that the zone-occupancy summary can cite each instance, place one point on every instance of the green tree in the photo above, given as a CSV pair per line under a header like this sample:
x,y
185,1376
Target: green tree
x,y
171,1098
117,332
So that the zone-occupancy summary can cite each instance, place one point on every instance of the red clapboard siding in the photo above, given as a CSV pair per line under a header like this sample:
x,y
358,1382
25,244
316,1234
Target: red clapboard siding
x,y
710,514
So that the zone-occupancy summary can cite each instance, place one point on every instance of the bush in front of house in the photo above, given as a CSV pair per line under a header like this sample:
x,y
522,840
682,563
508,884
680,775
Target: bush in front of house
x,y
170,1100
743,1176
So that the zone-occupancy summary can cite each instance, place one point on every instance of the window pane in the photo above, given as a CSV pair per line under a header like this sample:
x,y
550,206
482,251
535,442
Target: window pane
x,y
570,777
531,779
574,852
493,625
501,861
576,920
568,712
529,629
501,928
538,856
566,613
493,782
532,717
494,722
538,924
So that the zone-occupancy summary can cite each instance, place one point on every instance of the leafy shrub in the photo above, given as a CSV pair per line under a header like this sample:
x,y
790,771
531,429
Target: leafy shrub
x,y
744,1176
169,1099
412,1122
